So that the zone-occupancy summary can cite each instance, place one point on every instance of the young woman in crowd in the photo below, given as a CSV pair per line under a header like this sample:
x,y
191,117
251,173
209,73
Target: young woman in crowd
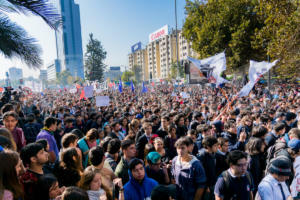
x,y
69,169
11,168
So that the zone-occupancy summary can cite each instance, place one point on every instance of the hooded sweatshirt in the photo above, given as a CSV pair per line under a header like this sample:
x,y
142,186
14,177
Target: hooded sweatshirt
x,y
136,191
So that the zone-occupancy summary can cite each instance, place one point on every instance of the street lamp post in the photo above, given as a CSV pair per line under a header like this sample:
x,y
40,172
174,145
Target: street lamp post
x,y
176,41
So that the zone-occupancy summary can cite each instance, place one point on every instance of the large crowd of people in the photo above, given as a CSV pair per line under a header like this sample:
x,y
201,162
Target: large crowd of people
x,y
159,144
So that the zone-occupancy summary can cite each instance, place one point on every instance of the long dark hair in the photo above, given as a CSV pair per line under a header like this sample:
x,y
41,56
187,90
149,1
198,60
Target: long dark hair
x,y
44,184
8,173
67,160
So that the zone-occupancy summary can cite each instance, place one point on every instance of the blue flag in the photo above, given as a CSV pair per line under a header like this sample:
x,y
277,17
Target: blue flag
x,y
132,87
120,86
144,88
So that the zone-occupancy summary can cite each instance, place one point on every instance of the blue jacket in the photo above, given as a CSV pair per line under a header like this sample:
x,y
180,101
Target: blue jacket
x,y
134,191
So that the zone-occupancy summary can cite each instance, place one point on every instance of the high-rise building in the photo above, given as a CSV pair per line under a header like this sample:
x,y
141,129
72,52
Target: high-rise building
x,y
68,39
52,69
15,74
160,53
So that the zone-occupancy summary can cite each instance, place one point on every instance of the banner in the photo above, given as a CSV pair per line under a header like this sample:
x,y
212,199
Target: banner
x,y
209,68
246,89
257,69
102,101
88,91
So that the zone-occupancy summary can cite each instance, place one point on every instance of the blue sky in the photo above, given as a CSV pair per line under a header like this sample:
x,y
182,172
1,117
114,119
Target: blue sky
x,y
118,24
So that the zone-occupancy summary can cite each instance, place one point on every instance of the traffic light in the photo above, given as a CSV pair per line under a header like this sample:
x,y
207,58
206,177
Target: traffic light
x,y
21,81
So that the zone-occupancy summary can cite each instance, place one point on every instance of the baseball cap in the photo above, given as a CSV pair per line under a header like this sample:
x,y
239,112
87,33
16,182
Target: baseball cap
x,y
281,165
153,157
294,144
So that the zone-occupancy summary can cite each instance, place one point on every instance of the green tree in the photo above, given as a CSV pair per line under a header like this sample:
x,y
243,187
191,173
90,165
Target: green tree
x,y
137,71
127,76
63,77
95,55
15,42
280,34
214,26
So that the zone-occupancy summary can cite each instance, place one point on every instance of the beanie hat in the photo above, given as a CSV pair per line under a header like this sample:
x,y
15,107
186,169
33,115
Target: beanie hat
x,y
153,157
294,144
281,165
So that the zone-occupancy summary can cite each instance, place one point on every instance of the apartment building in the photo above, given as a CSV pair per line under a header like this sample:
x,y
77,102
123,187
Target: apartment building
x,y
159,54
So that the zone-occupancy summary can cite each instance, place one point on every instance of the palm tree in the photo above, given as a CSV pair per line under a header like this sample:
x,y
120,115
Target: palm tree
x,y
14,40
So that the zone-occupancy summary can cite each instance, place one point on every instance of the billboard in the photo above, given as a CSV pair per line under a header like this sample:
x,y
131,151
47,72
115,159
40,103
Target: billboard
x,y
135,47
159,33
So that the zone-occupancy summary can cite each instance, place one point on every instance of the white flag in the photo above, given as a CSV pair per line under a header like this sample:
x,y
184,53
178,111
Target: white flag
x,y
215,65
257,69
246,89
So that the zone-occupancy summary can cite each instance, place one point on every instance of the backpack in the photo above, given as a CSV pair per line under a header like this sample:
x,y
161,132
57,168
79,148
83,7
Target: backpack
x,y
226,176
273,152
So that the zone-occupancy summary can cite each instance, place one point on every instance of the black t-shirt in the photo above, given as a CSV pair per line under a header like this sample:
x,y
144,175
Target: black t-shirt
x,y
159,176
238,188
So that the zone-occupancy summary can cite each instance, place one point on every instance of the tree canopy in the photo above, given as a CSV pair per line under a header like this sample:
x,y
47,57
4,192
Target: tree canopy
x,y
245,29
94,60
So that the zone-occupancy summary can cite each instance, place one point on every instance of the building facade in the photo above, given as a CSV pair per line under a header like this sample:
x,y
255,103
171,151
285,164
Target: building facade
x,y
69,40
114,73
15,74
52,69
158,56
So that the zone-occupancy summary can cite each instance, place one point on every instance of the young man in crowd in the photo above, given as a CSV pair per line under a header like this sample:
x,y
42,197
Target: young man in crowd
x,y
236,182
112,154
69,140
188,172
34,157
162,132
221,155
129,152
143,140
278,131
156,169
273,186
50,126
139,186
116,133
208,159
231,134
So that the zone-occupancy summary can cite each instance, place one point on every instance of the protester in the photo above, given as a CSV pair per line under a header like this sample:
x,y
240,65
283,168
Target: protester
x,y
273,185
86,143
129,152
47,132
188,172
10,121
235,182
139,186
221,155
34,157
69,170
11,188
156,169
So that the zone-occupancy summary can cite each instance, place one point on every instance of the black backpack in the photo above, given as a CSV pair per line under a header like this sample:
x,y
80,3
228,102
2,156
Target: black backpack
x,y
273,151
226,176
